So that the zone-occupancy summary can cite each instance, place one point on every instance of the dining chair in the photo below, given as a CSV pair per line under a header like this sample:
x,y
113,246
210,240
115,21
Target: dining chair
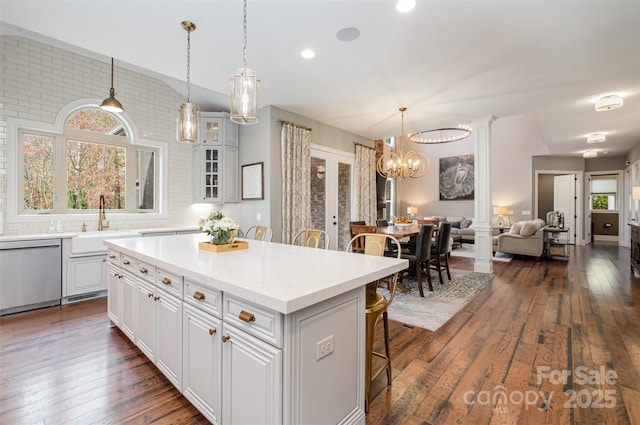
x,y
421,255
376,305
357,223
311,238
439,252
356,229
260,233
382,222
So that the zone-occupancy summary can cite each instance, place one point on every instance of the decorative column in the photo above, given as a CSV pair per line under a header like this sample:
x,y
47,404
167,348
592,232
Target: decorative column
x,y
482,204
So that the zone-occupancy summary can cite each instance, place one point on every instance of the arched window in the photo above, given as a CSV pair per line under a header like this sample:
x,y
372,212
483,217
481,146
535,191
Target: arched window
x,y
93,157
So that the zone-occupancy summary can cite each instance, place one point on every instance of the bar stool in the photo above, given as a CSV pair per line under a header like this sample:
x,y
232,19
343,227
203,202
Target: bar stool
x,y
376,306
260,233
311,238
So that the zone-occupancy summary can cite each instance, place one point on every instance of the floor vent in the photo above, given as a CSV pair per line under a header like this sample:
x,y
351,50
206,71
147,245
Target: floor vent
x,y
85,297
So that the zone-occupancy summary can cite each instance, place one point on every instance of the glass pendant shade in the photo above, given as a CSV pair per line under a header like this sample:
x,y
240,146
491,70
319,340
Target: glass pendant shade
x,y
188,122
244,96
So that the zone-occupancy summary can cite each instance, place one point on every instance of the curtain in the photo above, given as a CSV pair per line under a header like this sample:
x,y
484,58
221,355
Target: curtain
x,y
296,180
365,184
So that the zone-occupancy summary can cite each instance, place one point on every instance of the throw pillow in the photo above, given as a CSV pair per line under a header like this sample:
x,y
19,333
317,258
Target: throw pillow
x,y
465,223
455,224
530,227
516,227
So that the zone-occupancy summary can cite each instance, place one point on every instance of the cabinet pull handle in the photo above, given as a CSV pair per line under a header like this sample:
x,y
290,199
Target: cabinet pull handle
x,y
166,281
245,316
212,331
198,295
156,298
225,338
143,270
150,294
112,256
126,262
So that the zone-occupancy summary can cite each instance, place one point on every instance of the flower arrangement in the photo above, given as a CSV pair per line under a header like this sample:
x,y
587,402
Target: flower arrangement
x,y
222,230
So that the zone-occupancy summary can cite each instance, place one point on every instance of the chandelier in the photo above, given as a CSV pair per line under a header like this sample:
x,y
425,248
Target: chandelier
x,y
441,135
188,121
244,85
397,164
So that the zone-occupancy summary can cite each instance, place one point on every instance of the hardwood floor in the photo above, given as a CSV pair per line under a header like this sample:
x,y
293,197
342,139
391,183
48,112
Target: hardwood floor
x,y
499,360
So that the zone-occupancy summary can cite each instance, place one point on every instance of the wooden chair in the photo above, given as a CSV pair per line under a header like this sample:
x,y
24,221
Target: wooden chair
x,y
422,255
439,252
260,233
355,230
376,305
311,238
382,222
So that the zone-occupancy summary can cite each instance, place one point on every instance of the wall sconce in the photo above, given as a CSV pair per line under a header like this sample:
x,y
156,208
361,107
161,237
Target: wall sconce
x,y
321,171
500,212
412,211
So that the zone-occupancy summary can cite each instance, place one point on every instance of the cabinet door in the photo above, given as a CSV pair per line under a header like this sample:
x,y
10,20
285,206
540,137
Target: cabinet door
x,y
114,275
252,376
146,310
128,316
231,187
169,337
211,129
86,274
202,362
207,168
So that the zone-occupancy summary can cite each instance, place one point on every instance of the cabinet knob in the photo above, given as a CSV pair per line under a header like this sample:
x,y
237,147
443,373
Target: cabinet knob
x,y
143,270
166,281
225,338
126,262
245,316
198,295
150,294
112,256
212,331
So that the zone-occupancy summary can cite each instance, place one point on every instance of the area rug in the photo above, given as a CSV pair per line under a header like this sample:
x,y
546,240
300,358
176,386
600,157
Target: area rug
x,y
468,251
437,307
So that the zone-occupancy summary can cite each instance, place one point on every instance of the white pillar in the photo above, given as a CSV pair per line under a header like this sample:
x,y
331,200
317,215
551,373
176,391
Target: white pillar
x,y
482,204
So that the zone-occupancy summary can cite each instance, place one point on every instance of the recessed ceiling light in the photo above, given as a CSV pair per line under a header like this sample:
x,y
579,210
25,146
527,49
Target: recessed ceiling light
x,y
308,54
608,103
348,34
596,138
405,5
590,153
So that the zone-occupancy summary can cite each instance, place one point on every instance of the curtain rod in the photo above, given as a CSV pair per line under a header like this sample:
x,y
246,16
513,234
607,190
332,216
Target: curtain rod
x,y
295,125
364,146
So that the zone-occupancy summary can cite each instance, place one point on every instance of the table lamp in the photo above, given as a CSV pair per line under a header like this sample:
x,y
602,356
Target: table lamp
x,y
500,212
412,211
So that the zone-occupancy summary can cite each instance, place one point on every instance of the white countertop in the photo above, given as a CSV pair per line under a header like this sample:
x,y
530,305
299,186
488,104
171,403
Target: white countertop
x,y
66,235
282,277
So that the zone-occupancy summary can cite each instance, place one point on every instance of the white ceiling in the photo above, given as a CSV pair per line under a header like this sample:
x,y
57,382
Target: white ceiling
x,y
449,62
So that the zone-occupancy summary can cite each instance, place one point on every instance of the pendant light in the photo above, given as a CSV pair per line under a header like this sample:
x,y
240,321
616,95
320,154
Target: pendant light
x,y
244,85
188,121
397,164
111,104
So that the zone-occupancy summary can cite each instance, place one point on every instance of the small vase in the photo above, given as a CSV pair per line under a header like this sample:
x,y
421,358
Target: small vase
x,y
220,239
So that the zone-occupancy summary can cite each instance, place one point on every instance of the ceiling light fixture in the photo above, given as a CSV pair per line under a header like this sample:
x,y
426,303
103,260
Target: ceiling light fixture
x,y
308,54
188,121
441,135
596,138
397,164
244,85
590,153
608,103
111,104
404,6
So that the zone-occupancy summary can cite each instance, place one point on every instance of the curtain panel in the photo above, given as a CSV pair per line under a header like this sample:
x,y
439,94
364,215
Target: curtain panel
x,y
296,180
365,184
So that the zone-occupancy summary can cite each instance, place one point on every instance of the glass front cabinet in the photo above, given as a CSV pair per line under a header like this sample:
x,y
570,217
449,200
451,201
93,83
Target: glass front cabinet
x,y
215,159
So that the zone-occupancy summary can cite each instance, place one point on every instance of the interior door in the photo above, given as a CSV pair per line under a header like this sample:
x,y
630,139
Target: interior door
x,y
564,200
331,194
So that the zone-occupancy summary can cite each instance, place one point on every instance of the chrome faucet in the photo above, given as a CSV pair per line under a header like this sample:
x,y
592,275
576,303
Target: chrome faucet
x,y
102,217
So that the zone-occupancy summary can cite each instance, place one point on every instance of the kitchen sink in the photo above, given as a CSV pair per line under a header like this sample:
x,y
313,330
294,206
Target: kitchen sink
x,y
89,242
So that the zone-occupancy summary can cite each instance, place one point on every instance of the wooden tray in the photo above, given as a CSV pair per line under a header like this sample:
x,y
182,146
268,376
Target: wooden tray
x,y
235,246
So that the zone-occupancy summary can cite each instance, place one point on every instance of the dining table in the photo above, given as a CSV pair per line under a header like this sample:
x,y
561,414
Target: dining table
x,y
399,232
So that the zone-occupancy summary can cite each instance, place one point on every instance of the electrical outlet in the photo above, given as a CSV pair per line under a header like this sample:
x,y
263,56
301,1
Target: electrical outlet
x,y
324,347
526,212
258,217
14,226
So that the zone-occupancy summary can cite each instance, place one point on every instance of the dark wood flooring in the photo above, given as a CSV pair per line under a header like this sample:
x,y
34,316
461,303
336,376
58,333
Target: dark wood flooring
x,y
499,361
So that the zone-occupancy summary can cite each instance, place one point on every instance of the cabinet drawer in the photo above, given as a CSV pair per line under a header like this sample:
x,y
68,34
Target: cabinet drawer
x,y
128,263
113,257
256,320
146,271
170,282
207,299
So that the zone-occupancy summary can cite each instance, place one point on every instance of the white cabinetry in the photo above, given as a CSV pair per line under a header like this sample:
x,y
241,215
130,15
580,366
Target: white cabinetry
x,y
215,159
86,274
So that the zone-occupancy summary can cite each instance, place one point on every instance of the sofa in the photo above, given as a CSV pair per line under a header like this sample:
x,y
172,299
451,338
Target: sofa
x,y
462,226
523,238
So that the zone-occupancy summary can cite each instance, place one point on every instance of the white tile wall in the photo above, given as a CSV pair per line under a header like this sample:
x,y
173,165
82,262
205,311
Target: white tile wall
x,y
37,80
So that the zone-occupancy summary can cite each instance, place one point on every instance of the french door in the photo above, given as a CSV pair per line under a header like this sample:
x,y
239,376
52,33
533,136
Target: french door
x,y
331,193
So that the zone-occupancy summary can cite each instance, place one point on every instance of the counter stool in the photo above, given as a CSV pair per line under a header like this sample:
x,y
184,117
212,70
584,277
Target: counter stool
x,y
375,306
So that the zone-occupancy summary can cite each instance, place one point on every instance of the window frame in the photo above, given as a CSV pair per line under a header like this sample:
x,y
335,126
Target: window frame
x,y
615,195
16,127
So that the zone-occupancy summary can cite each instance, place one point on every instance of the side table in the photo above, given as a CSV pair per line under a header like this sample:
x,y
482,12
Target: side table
x,y
555,243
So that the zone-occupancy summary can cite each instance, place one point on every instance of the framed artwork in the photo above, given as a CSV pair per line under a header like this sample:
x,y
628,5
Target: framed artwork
x,y
253,181
457,178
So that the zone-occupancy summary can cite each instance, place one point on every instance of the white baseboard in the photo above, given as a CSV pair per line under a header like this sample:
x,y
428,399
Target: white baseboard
x,y
606,238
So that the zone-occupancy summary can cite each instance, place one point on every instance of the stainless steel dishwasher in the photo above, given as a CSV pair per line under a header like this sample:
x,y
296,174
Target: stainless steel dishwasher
x,y
30,274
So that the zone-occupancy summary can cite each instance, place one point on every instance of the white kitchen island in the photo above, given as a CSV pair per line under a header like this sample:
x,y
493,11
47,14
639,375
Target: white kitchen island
x,y
273,334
